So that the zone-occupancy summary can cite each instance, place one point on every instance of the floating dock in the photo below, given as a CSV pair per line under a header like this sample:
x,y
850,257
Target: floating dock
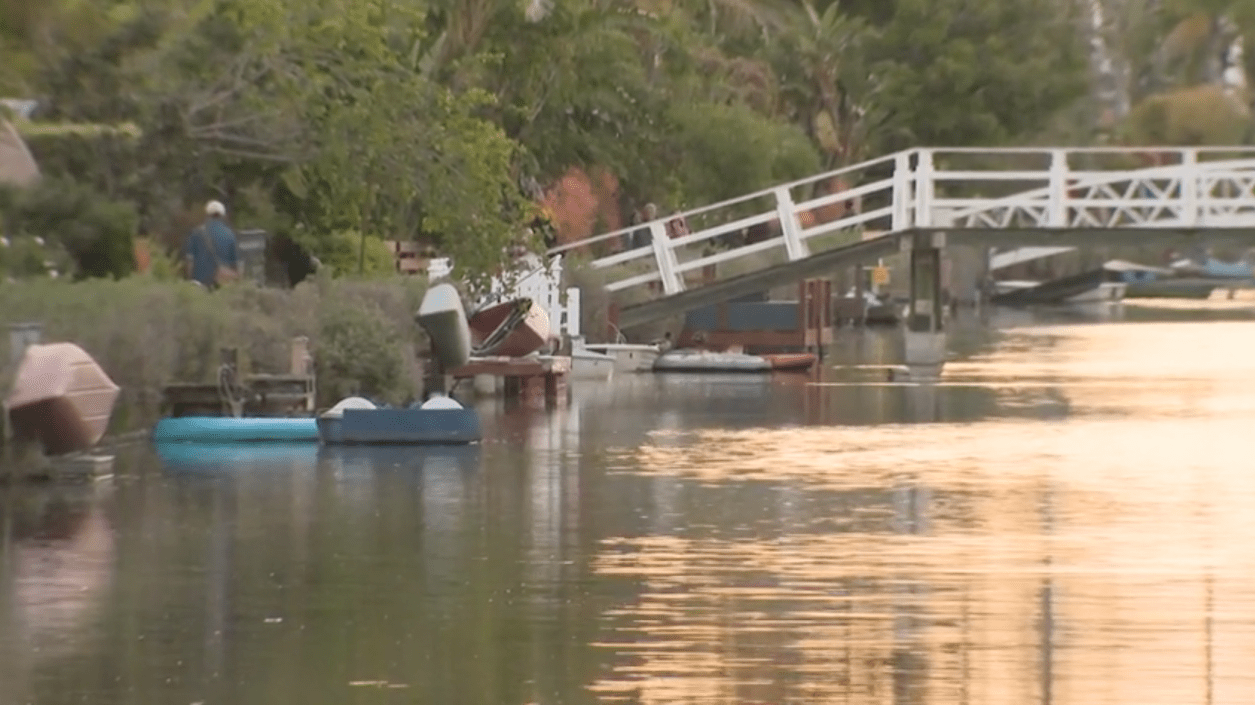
x,y
536,377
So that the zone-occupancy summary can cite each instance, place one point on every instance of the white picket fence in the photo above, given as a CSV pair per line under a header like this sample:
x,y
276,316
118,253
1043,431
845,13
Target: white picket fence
x,y
541,283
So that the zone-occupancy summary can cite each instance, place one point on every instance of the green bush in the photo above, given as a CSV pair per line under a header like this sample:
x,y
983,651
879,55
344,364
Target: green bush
x,y
361,354
22,257
147,333
341,252
97,233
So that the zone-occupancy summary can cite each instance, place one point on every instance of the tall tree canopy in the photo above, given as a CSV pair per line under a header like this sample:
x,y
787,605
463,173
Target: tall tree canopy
x,y
423,119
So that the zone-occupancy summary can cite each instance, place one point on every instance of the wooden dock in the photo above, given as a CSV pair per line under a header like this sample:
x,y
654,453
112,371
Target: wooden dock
x,y
541,377
29,465
260,394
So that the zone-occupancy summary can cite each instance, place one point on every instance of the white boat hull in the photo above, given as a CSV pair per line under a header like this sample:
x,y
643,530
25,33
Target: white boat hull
x,y
628,357
1107,292
587,364
705,361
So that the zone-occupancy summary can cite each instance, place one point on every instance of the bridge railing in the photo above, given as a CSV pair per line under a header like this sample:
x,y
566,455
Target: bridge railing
x,y
1152,187
776,224
1098,187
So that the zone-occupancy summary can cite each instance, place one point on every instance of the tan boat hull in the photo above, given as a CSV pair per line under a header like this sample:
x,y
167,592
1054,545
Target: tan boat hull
x,y
61,398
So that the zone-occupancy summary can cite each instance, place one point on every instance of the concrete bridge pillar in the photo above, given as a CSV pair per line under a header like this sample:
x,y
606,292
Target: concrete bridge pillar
x,y
924,336
966,268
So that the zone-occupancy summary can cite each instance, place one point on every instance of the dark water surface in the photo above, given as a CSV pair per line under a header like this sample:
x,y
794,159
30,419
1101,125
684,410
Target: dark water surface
x,y
1067,517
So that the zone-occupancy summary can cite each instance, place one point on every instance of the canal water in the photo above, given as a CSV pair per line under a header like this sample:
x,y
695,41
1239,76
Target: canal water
x,y
1064,518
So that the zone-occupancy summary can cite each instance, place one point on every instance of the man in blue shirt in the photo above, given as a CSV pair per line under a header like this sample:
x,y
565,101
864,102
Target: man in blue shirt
x,y
211,255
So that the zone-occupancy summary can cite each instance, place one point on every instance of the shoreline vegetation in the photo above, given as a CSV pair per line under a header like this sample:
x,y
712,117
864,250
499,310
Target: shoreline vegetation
x,y
147,333
472,128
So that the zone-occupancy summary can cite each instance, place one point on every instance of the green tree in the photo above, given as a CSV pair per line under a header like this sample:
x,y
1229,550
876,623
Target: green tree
x,y
971,72
96,233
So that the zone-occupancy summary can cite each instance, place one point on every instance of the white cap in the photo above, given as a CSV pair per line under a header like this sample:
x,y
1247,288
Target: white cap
x,y
215,208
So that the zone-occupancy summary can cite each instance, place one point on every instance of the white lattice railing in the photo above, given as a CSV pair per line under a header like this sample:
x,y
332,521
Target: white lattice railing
x,y
1065,188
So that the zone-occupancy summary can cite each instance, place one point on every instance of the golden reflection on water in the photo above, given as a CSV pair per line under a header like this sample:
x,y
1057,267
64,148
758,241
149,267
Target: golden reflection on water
x,y
1098,558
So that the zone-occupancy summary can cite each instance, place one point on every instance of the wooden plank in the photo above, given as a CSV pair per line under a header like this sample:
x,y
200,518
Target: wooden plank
x,y
513,367
270,378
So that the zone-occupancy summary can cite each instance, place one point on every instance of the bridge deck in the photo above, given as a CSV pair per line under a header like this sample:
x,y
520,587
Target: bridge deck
x,y
997,198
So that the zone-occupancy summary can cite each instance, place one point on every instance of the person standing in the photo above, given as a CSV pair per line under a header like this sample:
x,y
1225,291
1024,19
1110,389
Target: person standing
x,y
212,253
643,236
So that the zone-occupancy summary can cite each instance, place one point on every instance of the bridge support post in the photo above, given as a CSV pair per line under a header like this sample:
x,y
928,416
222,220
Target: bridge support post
x,y
786,211
924,337
664,257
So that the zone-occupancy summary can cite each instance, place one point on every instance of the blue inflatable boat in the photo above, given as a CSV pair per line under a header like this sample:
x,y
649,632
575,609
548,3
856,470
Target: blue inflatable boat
x,y
225,429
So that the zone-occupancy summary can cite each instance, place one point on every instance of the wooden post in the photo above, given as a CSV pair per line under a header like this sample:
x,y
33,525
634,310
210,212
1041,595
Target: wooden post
x,y
21,336
612,322
301,366
230,359
300,356
803,314
825,316
817,313
859,288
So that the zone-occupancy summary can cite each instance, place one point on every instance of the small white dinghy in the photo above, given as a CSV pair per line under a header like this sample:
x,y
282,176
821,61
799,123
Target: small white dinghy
x,y
628,357
708,361
590,364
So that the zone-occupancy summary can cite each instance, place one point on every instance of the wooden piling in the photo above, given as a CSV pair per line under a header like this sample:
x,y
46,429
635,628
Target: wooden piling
x,y
541,378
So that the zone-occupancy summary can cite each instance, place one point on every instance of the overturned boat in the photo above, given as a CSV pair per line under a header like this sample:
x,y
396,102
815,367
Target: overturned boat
x,y
515,328
61,398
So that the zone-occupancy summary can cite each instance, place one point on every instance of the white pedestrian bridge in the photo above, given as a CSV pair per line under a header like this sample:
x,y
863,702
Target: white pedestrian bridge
x,y
922,199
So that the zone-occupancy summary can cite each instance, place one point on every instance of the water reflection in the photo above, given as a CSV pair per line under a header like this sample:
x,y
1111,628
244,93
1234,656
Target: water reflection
x,y
1057,520
951,584
211,458
57,558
